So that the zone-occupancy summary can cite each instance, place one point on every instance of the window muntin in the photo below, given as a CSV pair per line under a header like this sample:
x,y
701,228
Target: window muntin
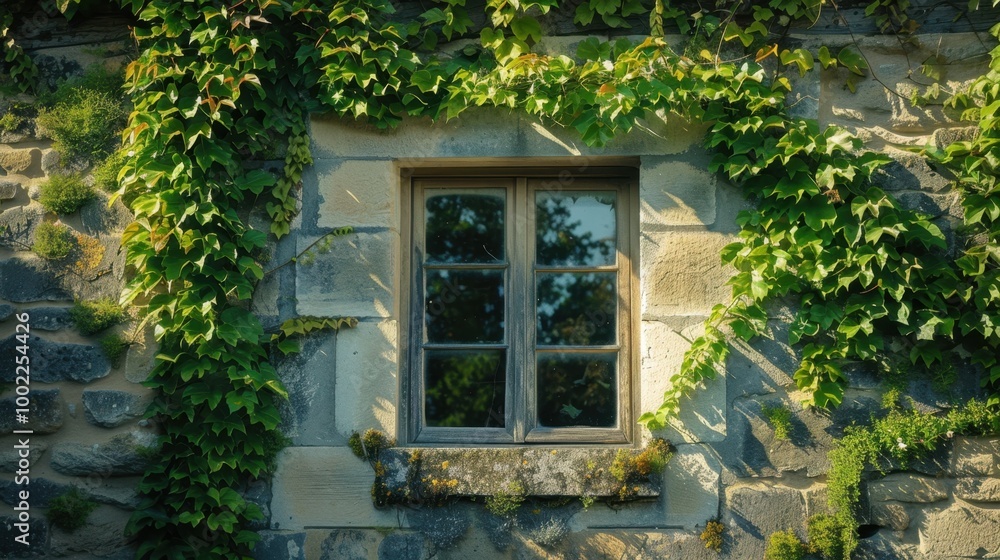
x,y
525,290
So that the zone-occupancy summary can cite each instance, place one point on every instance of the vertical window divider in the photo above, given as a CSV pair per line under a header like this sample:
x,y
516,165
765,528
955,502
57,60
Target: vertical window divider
x,y
526,306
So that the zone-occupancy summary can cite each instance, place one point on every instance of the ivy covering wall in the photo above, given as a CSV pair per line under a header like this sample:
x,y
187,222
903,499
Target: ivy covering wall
x,y
219,84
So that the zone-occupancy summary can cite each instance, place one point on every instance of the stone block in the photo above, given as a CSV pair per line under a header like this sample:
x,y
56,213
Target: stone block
x,y
41,491
121,456
108,409
104,535
675,192
348,543
29,278
325,487
309,414
20,162
359,193
367,378
403,546
961,531
10,460
910,488
978,489
17,226
691,486
50,318
755,511
893,516
6,311
55,361
45,412
682,273
356,278
8,189
141,357
38,537
975,457
281,545
657,134
702,416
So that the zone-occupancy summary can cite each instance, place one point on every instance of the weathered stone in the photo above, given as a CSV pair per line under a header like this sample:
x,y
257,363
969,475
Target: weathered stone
x,y
50,161
19,162
355,279
893,516
120,456
8,189
675,280
258,493
349,544
366,391
26,279
861,375
978,489
923,202
755,511
674,544
703,419
41,491
309,414
104,535
55,361
108,409
675,192
98,219
17,226
442,526
44,412
11,460
358,193
402,546
691,486
944,137
907,488
325,487
975,457
961,531
6,311
883,546
50,318
110,491
281,545
908,172
140,358
38,531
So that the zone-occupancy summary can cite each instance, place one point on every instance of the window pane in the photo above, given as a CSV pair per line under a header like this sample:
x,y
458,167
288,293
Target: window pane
x,y
577,389
465,388
576,308
575,228
464,306
465,227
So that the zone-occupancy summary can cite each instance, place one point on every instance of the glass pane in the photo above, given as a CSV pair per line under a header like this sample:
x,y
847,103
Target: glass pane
x,y
576,308
465,388
464,306
465,227
576,389
575,228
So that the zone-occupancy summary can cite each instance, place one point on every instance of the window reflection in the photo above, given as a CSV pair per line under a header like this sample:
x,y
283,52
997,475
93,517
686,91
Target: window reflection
x,y
465,227
465,388
575,228
576,308
465,306
577,389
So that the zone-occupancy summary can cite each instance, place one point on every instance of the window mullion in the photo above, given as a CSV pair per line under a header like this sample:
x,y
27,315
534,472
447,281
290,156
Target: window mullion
x,y
522,304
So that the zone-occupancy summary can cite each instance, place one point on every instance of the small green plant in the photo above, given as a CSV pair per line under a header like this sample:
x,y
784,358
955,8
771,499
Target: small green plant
x,y
630,467
52,241
65,194
114,347
370,444
891,398
106,174
784,545
506,502
69,511
83,122
10,121
780,419
826,536
587,501
712,535
94,316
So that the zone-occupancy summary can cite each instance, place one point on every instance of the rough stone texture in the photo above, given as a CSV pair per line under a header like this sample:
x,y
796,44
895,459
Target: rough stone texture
x,y
675,192
8,189
325,487
140,358
366,389
98,219
120,492
50,318
281,545
41,491
17,226
978,489
691,486
309,414
347,543
908,172
28,278
358,193
961,531
755,511
259,493
402,546
907,488
882,546
38,530
19,162
893,516
704,418
55,361
104,535
975,457
355,279
50,161
6,312
674,280
118,457
108,409
10,459
45,412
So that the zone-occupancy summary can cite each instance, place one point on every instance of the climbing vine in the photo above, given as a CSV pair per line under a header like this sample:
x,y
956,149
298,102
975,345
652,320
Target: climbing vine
x,y
218,82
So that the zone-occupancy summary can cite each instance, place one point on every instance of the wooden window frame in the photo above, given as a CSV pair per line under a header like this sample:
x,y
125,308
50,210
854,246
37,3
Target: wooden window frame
x,y
522,181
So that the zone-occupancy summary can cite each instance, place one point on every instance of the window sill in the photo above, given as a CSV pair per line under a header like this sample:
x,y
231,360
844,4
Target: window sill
x,y
540,472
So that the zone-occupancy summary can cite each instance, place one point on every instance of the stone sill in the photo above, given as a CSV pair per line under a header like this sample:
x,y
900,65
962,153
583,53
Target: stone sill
x,y
541,472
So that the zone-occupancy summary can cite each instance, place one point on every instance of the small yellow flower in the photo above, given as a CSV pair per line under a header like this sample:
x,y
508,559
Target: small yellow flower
x,y
444,465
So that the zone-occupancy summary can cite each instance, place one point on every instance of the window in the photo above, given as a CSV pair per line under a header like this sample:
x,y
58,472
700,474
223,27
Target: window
x,y
520,307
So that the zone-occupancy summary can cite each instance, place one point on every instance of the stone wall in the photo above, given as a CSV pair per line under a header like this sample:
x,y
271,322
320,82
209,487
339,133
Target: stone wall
x,y
85,412
729,464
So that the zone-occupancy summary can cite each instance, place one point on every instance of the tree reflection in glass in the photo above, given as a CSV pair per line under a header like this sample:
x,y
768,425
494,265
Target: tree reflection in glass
x,y
575,228
576,308
577,389
465,388
465,227
464,306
